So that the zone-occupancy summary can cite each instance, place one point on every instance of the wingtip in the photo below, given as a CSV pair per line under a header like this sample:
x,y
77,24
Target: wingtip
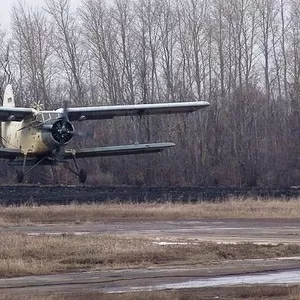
x,y
205,103
168,144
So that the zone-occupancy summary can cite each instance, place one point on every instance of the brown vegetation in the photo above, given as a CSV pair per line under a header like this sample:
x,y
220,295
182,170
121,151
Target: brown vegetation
x,y
224,293
27,255
235,208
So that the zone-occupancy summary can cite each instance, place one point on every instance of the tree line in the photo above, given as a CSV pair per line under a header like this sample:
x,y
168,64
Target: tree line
x,y
242,56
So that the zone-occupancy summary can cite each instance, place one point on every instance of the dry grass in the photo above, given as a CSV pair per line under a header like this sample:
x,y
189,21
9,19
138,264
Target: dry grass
x,y
224,293
22,255
99,296
270,292
235,208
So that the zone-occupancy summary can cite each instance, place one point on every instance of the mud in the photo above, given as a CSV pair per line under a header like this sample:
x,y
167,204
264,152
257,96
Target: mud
x,y
233,273
221,231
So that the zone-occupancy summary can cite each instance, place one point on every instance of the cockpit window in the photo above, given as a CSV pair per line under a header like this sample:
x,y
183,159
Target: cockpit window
x,y
45,116
39,117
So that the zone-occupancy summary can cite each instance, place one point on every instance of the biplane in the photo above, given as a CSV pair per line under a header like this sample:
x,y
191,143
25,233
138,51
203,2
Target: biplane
x,y
33,137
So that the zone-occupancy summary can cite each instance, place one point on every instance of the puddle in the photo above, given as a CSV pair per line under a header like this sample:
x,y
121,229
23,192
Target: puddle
x,y
58,233
223,242
285,277
173,243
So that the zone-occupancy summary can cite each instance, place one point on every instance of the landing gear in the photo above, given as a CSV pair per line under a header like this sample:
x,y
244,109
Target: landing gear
x,y
82,176
22,172
26,166
81,173
20,176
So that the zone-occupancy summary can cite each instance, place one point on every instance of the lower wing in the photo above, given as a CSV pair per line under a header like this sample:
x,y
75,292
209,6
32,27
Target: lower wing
x,y
117,150
10,153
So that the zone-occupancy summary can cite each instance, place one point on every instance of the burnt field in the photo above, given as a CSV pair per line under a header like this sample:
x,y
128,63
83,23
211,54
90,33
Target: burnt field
x,y
27,194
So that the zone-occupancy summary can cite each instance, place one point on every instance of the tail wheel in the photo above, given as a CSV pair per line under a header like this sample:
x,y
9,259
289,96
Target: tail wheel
x,y
82,176
20,176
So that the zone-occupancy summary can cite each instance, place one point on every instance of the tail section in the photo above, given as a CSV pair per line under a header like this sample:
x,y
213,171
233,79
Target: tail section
x,y
8,101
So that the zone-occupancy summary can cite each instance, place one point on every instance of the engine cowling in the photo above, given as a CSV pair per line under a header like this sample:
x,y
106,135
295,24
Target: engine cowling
x,y
57,132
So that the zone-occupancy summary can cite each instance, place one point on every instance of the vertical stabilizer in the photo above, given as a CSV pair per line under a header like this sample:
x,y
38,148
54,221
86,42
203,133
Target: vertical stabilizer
x,y
8,99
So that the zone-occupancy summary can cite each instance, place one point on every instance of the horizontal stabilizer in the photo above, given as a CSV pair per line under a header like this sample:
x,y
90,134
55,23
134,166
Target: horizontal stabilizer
x,y
118,150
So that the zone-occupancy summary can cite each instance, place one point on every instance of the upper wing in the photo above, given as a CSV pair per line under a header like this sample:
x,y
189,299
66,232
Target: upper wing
x,y
15,113
117,150
109,112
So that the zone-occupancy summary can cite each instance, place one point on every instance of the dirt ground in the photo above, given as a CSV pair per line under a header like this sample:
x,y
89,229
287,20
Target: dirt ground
x,y
260,231
169,281
256,278
141,282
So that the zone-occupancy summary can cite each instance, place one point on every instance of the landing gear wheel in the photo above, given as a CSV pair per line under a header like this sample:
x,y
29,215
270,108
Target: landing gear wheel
x,y
82,176
20,176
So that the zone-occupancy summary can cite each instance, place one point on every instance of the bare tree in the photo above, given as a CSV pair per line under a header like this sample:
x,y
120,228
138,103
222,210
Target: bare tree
x,y
241,56
5,75
31,36
67,37
97,22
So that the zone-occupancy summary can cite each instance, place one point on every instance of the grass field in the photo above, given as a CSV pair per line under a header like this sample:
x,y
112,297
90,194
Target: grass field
x,y
225,293
22,255
235,208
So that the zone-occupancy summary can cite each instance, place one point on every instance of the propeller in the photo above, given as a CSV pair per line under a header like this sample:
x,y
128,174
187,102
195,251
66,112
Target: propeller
x,y
38,106
62,131
59,132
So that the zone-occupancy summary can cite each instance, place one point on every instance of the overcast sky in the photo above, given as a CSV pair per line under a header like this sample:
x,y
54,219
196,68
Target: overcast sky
x,y
6,5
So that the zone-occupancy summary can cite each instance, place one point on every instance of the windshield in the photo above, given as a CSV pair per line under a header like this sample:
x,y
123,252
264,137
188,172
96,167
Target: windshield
x,y
45,116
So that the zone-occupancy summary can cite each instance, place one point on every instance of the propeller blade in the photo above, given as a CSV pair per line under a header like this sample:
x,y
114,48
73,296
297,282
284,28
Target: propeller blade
x,y
81,133
65,111
47,128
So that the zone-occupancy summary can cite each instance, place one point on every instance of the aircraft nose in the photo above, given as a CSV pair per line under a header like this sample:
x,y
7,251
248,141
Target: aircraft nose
x,y
64,130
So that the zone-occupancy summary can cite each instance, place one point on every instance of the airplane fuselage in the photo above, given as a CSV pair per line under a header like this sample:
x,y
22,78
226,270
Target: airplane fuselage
x,y
21,135
41,133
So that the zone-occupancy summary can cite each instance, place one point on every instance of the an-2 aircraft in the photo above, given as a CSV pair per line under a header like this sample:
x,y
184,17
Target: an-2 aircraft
x,y
33,137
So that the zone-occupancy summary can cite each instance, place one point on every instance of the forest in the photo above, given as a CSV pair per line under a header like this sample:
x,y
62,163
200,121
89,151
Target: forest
x,y
242,56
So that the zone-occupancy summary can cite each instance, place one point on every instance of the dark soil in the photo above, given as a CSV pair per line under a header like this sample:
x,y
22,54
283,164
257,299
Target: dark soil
x,y
27,194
